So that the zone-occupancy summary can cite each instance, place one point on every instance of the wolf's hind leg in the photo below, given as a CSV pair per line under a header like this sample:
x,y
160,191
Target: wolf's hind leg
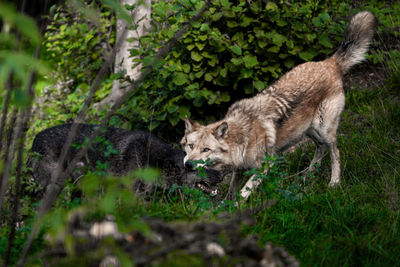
x,y
335,164
318,155
324,131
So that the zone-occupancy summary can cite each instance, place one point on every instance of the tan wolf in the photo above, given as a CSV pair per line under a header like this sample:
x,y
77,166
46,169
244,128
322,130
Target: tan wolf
x,y
306,101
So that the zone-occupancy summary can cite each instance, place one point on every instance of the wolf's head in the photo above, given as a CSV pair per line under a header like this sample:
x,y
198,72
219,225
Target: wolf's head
x,y
207,142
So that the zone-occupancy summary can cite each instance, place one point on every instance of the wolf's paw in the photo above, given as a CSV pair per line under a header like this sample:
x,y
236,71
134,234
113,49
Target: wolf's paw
x,y
334,183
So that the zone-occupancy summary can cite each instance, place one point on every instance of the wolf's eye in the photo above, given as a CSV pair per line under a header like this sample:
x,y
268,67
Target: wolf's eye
x,y
206,149
190,146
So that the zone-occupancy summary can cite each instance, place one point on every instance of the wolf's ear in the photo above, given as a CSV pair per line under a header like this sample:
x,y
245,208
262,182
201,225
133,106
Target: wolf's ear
x,y
190,126
221,130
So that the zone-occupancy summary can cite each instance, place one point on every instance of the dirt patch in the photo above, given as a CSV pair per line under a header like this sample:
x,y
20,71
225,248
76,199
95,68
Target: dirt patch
x,y
365,76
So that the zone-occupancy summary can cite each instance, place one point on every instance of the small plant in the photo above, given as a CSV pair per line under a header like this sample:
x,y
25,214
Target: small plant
x,y
273,177
200,166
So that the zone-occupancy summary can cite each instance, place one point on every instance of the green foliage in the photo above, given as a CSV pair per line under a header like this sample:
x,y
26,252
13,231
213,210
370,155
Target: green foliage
x,y
237,48
24,24
338,228
75,46
19,62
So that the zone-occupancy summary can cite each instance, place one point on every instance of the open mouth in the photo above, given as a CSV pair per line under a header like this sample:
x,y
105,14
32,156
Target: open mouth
x,y
207,189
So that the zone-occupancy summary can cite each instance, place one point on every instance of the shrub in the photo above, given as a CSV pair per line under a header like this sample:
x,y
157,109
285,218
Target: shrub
x,y
236,49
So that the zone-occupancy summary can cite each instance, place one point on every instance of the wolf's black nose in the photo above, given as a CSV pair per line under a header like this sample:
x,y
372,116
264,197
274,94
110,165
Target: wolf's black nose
x,y
189,165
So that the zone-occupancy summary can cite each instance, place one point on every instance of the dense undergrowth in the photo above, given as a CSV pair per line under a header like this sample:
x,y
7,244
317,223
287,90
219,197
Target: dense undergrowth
x,y
356,223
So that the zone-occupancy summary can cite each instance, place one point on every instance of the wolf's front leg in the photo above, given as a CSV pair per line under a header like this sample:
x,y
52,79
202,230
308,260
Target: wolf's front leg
x,y
250,186
268,144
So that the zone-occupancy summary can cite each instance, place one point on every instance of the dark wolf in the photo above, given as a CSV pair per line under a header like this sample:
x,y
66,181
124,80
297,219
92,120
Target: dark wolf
x,y
121,150
306,101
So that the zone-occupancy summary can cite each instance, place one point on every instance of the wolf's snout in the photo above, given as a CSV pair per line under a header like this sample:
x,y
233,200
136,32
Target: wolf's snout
x,y
189,164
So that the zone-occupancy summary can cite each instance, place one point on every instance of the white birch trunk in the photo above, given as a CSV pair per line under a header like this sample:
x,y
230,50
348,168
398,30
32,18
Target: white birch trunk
x,y
141,17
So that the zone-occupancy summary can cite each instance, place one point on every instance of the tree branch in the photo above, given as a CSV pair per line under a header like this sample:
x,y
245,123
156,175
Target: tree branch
x,y
58,177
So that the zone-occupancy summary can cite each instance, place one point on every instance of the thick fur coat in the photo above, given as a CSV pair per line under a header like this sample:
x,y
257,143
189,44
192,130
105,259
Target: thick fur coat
x,y
306,101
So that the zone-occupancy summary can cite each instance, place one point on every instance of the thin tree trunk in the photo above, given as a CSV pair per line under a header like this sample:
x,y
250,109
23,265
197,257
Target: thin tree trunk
x,y
141,19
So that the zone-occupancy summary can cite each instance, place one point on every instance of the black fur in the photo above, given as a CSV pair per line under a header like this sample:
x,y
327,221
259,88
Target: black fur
x,y
132,150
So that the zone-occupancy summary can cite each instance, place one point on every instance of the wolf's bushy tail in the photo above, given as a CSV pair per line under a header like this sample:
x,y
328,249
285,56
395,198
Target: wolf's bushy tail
x,y
356,40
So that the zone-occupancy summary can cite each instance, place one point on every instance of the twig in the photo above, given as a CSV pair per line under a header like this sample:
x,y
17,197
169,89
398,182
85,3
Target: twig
x,y
8,157
17,192
9,87
57,176
21,133
17,135
53,188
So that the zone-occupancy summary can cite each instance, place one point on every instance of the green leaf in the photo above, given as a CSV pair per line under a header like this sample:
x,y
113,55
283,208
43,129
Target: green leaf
x,y
274,49
202,37
184,111
24,24
224,72
186,68
281,23
199,74
250,61
231,24
217,16
208,77
321,20
271,6
246,21
180,79
224,97
236,61
307,56
172,108
278,39
27,26
200,46
204,27
324,40
236,49
246,73
311,36
325,17
289,63
259,85
226,3
196,56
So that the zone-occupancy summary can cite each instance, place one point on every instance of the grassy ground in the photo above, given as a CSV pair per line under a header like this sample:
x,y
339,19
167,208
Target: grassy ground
x,y
356,223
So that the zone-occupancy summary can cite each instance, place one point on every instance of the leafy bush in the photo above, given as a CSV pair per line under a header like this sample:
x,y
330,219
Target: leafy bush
x,y
75,45
236,49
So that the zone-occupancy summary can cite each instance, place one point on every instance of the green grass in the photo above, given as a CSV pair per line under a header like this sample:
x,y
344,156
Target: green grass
x,y
357,223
